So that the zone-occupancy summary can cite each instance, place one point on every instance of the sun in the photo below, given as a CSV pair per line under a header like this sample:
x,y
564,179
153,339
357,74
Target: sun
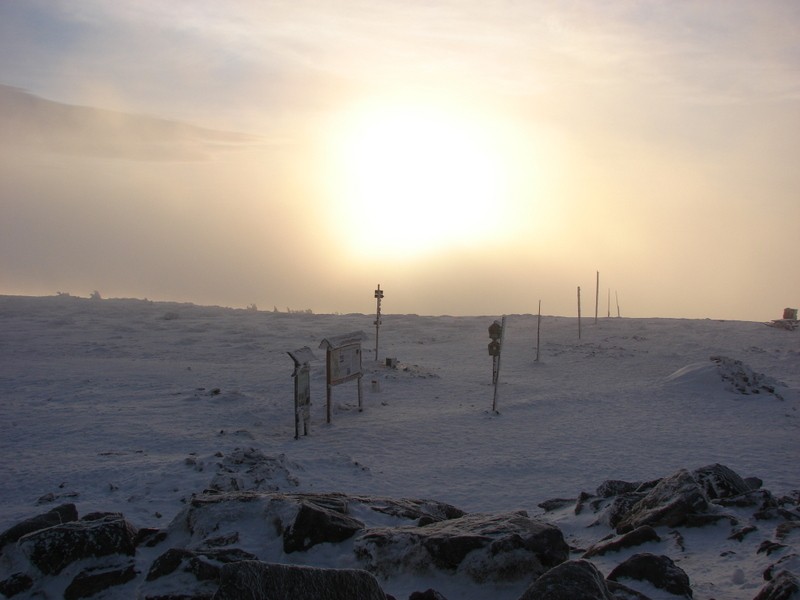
x,y
412,179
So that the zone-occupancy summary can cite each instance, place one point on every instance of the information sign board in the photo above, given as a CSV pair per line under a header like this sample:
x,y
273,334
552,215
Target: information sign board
x,y
343,360
345,363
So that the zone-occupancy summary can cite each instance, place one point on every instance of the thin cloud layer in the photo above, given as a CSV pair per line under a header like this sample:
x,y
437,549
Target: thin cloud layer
x,y
654,142
38,124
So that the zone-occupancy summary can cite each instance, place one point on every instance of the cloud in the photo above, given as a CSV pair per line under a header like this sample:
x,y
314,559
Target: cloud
x,y
28,121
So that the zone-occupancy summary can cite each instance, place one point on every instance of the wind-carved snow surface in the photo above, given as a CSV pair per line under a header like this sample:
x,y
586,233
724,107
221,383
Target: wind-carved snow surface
x,y
133,406
737,377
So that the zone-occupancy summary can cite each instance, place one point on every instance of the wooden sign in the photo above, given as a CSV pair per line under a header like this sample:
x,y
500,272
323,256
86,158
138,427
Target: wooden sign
x,y
343,363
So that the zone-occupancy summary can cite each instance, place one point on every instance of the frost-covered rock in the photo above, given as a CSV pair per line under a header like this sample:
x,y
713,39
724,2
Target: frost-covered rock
x,y
719,481
263,581
573,580
53,549
789,562
405,538
56,516
638,536
287,523
743,379
784,586
93,580
429,594
728,373
615,487
16,584
319,522
668,503
251,469
203,564
501,547
660,571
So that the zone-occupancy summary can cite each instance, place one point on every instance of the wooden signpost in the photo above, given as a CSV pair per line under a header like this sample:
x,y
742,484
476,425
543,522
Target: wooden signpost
x,y
302,389
343,363
496,333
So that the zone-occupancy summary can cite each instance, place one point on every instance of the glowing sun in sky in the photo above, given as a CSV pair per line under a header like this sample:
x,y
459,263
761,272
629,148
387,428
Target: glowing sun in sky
x,y
413,179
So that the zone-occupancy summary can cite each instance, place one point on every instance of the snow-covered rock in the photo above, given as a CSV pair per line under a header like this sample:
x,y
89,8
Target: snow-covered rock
x,y
659,570
262,581
501,547
570,581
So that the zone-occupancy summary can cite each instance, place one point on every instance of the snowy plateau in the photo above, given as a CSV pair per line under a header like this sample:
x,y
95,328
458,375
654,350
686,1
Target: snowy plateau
x,y
173,424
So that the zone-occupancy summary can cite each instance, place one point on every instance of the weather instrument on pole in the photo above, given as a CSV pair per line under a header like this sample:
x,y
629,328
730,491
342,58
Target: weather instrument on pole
x,y
378,298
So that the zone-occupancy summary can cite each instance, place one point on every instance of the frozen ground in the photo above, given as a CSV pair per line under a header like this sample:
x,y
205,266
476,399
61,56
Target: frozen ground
x,y
122,405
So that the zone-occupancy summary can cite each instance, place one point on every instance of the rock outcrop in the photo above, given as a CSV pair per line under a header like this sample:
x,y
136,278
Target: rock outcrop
x,y
261,581
661,571
236,544
573,580
503,547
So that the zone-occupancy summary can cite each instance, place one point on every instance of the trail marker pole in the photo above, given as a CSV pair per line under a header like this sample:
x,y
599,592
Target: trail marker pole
x,y
596,297
378,298
538,330
608,303
579,312
617,297
496,333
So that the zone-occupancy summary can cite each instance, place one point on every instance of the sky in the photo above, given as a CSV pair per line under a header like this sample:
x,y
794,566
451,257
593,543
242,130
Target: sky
x,y
472,158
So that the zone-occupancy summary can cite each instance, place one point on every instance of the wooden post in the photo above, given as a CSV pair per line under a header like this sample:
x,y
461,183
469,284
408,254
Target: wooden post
x,y
329,390
302,389
596,297
499,356
360,395
538,330
579,312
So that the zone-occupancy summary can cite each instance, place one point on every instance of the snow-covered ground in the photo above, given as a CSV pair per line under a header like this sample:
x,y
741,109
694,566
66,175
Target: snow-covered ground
x,y
129,405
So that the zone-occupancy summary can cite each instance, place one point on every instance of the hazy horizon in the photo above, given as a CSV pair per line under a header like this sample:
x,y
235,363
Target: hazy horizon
x,y
470,158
